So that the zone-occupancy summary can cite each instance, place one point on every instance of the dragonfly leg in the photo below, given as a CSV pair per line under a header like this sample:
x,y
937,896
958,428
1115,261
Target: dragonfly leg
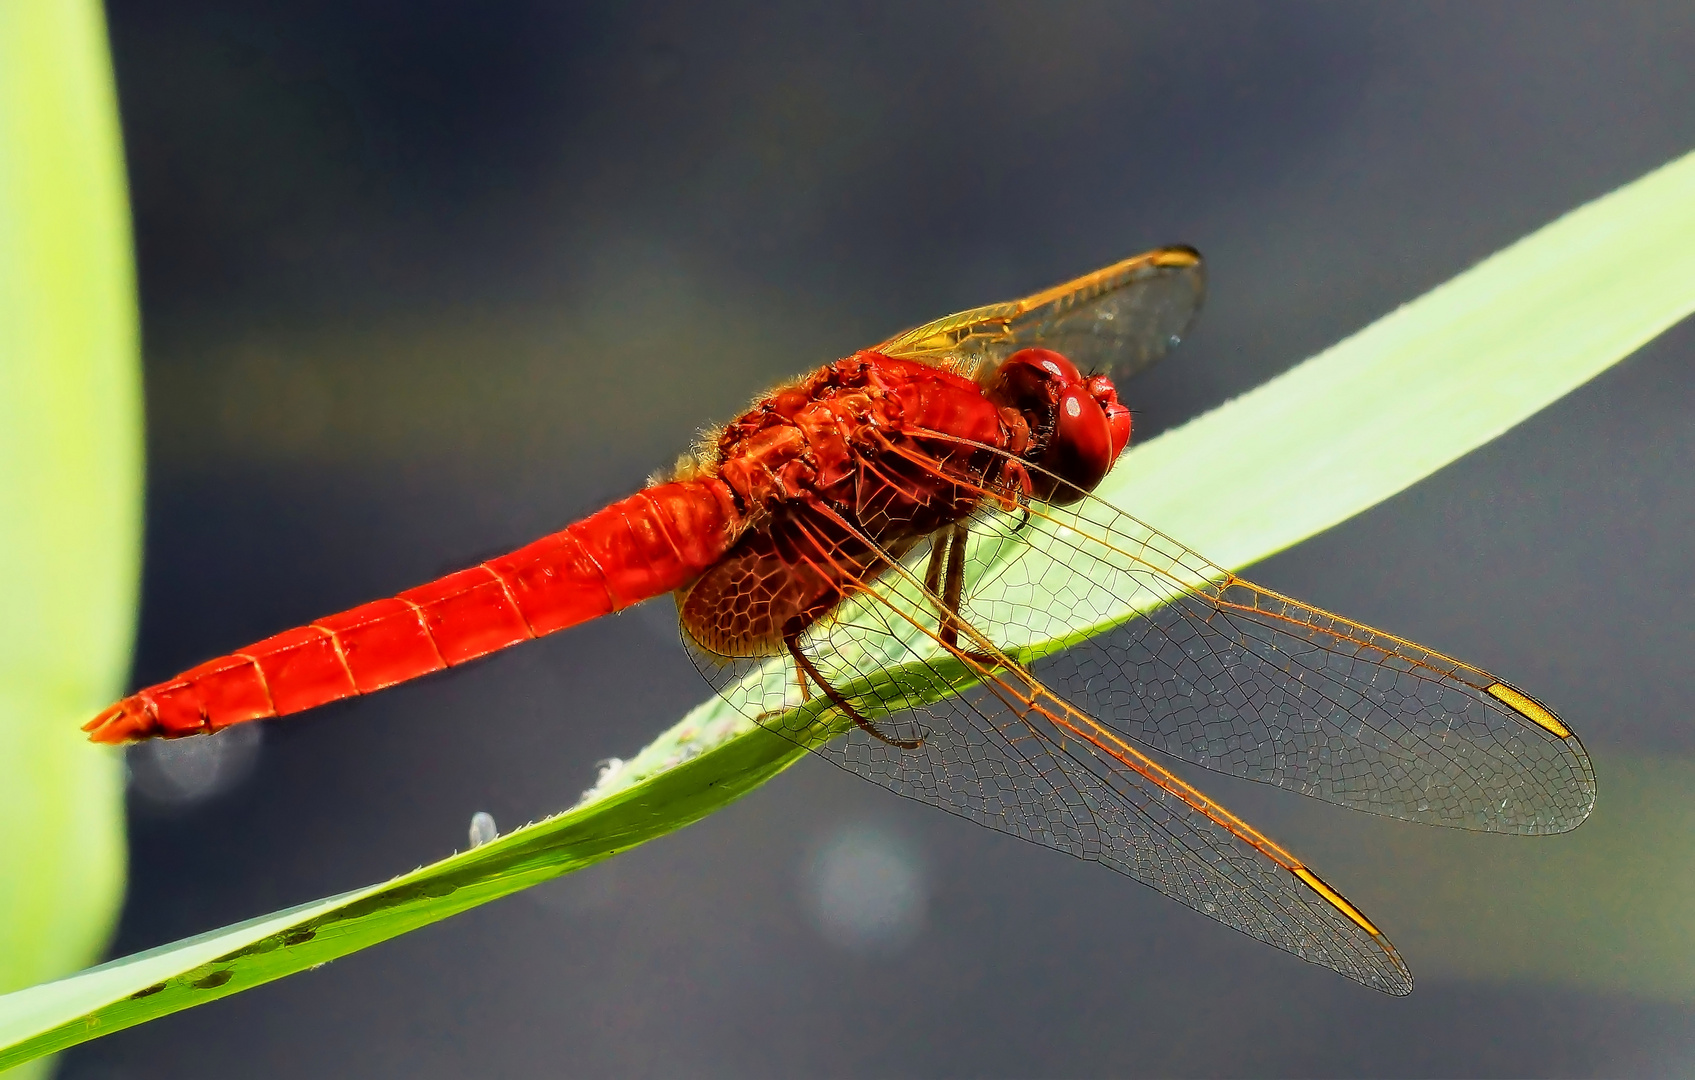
x,y
791,639
953,585
938,559
1023,512
1018,477
952,588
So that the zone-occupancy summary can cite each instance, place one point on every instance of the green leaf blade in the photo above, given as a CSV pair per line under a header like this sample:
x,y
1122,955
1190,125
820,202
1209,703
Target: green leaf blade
x,y
1426,384
138,988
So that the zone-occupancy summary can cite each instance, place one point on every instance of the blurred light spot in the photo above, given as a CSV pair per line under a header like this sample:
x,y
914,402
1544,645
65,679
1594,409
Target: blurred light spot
x,y
867,889
199,767
482,828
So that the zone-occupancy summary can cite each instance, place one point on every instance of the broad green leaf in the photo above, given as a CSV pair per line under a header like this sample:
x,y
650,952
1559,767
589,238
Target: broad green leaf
x,y
70,483
1334,436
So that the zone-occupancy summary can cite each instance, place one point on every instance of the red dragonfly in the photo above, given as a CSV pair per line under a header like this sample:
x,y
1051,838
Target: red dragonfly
x,y
896,561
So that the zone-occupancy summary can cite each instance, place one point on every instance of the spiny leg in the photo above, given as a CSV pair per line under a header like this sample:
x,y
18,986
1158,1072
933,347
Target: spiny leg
x,y
791,639
800,678
952,588
938,556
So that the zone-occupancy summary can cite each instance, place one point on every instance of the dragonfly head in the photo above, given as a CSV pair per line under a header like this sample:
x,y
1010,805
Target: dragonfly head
x,y
1077,426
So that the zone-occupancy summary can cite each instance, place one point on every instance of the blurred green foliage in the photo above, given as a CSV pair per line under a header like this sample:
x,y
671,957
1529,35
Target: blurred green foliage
x,y
70,483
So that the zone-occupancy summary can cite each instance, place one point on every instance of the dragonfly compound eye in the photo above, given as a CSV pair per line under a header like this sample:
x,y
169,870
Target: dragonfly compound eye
x,y
1077,426
1117,415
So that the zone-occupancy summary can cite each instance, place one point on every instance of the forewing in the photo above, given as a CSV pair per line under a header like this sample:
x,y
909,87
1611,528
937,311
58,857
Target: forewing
x,y
999,749
1118,319
1179,655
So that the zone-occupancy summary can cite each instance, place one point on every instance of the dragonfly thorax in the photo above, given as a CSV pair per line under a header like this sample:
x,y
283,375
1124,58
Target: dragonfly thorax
x,y
866,456
845,434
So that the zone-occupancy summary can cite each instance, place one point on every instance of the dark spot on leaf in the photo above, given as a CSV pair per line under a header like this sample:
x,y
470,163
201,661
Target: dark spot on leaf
x,y
263,945
388,899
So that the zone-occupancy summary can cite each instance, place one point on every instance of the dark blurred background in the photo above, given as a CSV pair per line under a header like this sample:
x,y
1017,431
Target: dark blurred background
x,y
423,281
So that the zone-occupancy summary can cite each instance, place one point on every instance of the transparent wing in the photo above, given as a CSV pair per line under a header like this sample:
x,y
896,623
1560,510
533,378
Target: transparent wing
x,y
1182,656
995,746
1118,319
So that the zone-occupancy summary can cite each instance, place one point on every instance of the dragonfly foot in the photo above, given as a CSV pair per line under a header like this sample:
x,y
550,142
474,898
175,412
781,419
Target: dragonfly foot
x,y
1024,513
791,638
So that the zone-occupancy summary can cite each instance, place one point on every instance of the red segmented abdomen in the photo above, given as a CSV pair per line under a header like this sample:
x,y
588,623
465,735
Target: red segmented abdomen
x,y
653,542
